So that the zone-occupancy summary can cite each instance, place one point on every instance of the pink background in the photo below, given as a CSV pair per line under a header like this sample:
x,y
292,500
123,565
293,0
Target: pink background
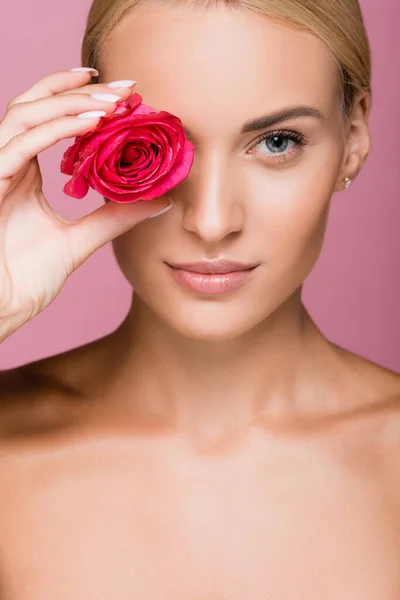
x,y
353,292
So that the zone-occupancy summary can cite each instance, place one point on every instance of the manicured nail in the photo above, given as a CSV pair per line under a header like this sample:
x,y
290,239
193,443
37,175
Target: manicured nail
x,y
124,83
162,210
86,69
106,97
92,114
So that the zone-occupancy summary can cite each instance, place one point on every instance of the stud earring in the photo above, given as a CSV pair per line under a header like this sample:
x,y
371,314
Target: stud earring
x,y
347,182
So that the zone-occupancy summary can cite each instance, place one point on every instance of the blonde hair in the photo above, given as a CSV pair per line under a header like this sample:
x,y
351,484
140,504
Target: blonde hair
x,y
337,23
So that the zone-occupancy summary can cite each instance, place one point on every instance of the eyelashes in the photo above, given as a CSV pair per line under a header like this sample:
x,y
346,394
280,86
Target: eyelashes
x,y
276,138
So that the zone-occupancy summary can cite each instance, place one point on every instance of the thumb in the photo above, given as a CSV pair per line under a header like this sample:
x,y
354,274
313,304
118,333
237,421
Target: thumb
x,y
91,232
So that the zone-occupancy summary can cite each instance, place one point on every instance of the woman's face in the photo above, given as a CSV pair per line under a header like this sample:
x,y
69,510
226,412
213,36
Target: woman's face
x,y
245,199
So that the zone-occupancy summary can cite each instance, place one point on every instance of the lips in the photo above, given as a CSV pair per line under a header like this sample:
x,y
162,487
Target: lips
x,y
212,277
213,267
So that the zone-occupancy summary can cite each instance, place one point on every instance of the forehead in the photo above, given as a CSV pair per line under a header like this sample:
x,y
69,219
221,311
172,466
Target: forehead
x,y
212,65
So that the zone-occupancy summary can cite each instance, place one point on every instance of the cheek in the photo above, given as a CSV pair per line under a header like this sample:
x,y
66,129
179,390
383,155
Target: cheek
x,y
291,221
303,216
293,205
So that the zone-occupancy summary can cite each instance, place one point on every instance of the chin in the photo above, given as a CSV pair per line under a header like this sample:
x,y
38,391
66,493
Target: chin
x,y
212,322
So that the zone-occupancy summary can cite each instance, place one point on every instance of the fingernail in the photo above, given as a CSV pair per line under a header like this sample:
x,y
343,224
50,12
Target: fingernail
x,y
106,97
92,114
124,83
170,205
86,69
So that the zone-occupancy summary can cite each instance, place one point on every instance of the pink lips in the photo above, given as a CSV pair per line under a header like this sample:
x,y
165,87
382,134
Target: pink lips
x,y
212,277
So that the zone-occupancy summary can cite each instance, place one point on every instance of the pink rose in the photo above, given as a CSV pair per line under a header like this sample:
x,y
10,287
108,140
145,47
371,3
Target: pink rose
x,y
136,153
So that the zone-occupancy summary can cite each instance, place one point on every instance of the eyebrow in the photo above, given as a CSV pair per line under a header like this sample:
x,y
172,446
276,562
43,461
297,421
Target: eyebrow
x,y
283,114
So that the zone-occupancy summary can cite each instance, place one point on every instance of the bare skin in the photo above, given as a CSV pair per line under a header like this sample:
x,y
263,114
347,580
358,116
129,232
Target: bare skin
x,y
100,502
212,448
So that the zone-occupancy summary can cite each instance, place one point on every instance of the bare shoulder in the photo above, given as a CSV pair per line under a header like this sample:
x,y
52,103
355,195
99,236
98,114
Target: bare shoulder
x,y
379,386
377,403
48,394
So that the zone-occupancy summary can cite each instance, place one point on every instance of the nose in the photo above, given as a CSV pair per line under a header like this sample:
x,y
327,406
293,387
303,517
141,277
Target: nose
x,y
212,206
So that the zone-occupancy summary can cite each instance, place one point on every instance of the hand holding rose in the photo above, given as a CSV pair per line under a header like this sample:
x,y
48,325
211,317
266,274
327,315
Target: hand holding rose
x,y
134,154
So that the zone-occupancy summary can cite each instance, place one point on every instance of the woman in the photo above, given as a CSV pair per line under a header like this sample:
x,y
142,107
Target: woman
x,y
216,445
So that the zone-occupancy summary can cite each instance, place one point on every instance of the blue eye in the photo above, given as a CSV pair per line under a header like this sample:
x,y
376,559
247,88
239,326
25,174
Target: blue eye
x,y
281,145
278,143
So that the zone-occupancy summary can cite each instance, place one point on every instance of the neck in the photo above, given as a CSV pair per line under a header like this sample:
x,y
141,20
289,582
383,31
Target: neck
x,y
212,390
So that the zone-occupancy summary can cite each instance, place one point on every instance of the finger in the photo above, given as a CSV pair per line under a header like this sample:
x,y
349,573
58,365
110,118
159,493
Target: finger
x,y
24,115
125,89
65,82
54,83
25,146
109,221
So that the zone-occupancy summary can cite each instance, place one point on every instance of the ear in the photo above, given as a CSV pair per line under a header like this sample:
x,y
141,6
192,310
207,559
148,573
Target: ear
x,y
357,139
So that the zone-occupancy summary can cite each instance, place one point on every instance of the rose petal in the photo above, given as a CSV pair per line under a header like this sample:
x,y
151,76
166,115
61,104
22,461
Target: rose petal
x,y
137,153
